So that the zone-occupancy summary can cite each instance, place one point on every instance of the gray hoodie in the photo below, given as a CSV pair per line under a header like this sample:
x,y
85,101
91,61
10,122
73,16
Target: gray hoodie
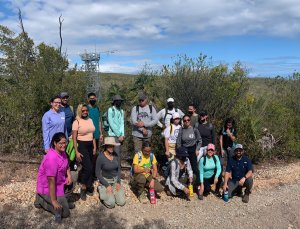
x,y
149,119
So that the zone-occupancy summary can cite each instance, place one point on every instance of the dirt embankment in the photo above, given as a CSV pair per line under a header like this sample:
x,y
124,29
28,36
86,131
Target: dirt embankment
x,y
274,203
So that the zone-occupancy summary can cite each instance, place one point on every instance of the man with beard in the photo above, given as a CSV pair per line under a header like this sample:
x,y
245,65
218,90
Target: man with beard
x,y
239,172
116,123
69,113
164,116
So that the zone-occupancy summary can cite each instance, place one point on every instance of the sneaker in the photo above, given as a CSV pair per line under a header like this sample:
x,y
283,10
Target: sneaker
x,y
245,198
37,204
71,205
90,191
200,197
143,198
83,194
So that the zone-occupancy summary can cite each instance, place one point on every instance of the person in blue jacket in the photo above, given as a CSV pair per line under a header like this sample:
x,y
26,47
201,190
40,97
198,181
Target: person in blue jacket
x,y
116,123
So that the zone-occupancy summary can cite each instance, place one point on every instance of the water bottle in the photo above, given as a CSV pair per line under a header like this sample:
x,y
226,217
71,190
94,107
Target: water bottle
x,y
152,196
226,197
191,190
57,215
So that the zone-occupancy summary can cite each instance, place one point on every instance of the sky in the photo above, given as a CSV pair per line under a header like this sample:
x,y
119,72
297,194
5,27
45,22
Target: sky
x,y
262,34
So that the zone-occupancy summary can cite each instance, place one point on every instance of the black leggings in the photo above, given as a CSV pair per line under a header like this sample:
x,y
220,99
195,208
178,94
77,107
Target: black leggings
x,y
86,149
194,164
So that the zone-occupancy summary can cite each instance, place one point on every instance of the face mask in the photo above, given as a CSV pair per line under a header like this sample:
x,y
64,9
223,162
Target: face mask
x,y
92,102
170,106
190,112
118,103
202,120
183,158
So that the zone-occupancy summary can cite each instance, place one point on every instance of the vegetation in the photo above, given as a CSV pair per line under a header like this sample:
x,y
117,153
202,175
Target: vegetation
x,y
31,74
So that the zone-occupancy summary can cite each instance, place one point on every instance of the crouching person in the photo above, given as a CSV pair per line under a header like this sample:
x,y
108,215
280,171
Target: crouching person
x,y
210,172
108,172
181,173
145,173
238,174
53,175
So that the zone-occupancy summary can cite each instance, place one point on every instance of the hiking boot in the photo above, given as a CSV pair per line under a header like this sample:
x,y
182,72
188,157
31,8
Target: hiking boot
x,y
90,191
71,205
143,198
200,197
245,198
37,204
83,194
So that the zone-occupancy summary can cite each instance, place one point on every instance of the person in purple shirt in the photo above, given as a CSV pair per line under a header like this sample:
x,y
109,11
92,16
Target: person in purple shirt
x,y
53,176
53,122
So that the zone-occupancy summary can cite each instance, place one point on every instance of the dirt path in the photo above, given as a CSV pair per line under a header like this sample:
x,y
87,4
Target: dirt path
x,y
275,203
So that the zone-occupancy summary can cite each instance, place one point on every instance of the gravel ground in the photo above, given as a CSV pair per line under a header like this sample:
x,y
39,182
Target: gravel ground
x,y
274,203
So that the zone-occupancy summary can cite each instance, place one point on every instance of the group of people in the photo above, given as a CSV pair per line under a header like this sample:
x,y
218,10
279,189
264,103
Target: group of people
x,y
71,145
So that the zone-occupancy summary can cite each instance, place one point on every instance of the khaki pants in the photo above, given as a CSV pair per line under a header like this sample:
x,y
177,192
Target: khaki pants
x,y
111,199
172,151
140,182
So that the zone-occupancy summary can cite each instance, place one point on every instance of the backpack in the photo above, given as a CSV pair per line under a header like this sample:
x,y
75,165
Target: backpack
x,y
139,161
166,113
105,121
215,161
167,168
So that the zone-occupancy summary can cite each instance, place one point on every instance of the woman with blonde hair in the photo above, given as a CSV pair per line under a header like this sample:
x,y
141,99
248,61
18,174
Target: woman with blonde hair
x,y
85,147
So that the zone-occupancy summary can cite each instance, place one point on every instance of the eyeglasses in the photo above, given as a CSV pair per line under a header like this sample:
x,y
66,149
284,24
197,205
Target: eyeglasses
x,y
84,110
186,120
56,102
62,143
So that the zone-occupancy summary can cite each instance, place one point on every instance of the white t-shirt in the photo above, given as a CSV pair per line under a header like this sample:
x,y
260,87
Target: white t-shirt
x,y
162,113
174,134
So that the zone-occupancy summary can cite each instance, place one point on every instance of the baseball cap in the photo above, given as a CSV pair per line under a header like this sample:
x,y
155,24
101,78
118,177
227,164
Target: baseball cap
x,y
175,115
238,146
170,100
142,97
64,94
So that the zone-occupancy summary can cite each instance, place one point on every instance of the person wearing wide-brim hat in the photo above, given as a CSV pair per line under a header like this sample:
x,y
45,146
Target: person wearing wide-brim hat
x,y
115,116
181,173
108,172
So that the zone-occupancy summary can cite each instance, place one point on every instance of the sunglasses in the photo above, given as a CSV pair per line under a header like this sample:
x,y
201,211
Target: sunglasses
x,y
84,111
186,120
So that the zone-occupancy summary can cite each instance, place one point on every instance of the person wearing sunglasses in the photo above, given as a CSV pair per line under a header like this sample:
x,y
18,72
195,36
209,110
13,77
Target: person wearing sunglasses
x,y
53,122
239,173
85,148
190,138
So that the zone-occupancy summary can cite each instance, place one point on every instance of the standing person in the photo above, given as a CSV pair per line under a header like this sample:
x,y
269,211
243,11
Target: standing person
x,y
68,110
171,134
207,132
95,114
143,118
210,172
83,129
53,175
190,138
227,137
108,171
145,173
53,121
192,111
164,115
181,173
239,173
116,123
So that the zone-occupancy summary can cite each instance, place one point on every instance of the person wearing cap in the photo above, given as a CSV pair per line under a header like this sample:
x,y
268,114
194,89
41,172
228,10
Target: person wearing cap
x,y
192,111
108,171
143,118
53,122
207,132
171,134
116,123
69,111
239,173
181,173
164,115
210,172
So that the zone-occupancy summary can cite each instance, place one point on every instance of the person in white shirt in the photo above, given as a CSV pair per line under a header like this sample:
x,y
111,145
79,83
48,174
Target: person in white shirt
x,y
171,133
164,116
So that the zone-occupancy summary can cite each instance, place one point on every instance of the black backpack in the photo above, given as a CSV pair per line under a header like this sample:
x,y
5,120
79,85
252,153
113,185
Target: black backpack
x,y
167,168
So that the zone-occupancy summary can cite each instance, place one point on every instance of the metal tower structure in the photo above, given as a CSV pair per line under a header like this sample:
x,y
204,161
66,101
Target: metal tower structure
x,y
91,67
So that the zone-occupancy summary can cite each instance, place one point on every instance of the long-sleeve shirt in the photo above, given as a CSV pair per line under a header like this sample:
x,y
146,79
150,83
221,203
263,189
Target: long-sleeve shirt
x,y
208,170
116,122
69,115
207,133
189,137
164,119
144,115
108,169
52,123
173,178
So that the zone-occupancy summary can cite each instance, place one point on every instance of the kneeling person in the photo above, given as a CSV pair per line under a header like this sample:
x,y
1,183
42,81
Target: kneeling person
x,y
145,173
108,172
181,173
238,174
210,172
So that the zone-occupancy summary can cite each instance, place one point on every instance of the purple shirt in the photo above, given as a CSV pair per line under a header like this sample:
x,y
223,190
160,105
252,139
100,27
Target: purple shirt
x,y
52,123
53,165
